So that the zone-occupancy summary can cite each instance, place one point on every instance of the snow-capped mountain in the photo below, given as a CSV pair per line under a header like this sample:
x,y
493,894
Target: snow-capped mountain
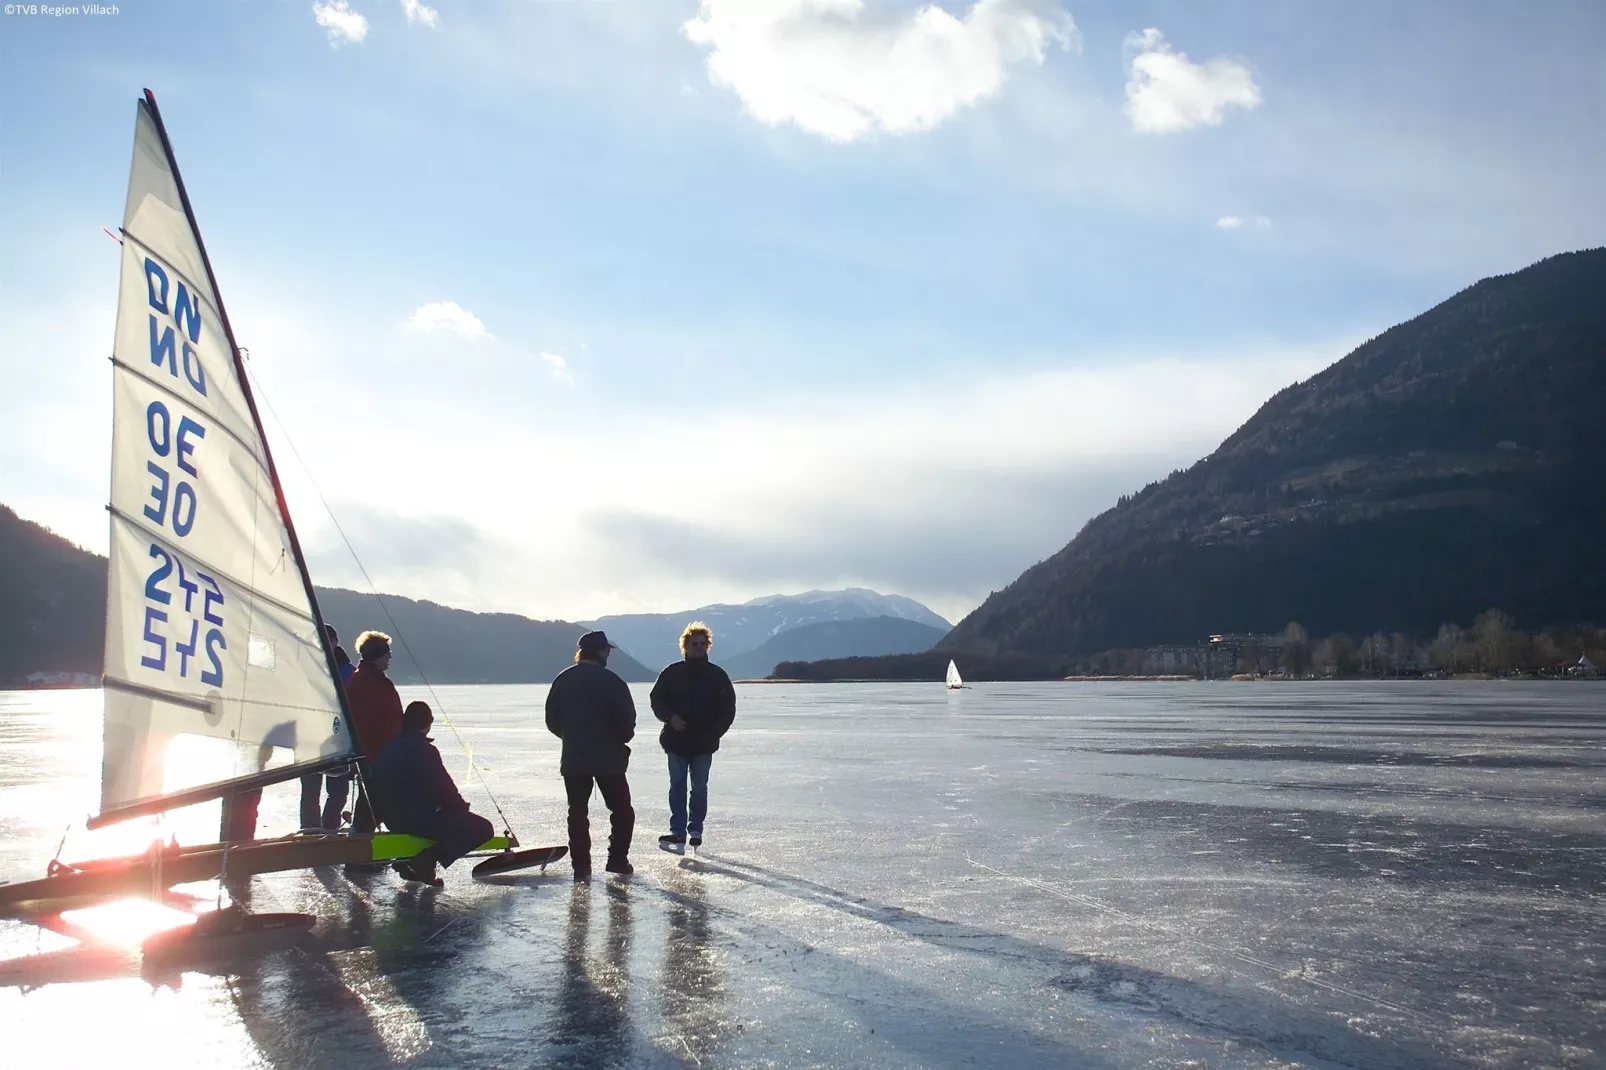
x,y
653,638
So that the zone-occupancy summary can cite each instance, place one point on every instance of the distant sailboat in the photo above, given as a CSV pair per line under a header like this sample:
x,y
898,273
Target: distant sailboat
x,y
954,680
219,679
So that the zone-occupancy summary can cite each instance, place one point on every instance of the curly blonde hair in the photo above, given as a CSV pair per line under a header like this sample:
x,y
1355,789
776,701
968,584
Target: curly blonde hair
x,y
696,627
372,644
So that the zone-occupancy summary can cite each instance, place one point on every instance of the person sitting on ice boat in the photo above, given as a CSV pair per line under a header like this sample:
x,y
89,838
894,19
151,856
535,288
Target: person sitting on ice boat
x,y
417,796
376,715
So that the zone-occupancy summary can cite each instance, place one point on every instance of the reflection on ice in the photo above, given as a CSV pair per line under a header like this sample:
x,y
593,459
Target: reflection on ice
x,y
395,1023
591,1013
691,988
127,922
1034,875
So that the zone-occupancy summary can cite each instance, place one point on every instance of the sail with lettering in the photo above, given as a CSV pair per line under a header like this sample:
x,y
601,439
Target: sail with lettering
x,y
218,677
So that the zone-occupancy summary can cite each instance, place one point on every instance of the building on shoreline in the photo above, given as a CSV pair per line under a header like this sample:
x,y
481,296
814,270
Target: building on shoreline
x,y
1217,657
61,679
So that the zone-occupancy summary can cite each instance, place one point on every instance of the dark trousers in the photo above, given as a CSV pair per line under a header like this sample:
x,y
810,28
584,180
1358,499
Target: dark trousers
x,y
328,816
455,835
363,816
239,821
615,791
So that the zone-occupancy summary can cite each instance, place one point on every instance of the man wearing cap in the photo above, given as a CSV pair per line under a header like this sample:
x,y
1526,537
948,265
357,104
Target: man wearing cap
x,y
417,796
590,709
376,715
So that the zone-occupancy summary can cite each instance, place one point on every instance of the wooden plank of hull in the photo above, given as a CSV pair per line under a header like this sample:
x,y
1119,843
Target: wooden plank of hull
x,y
151,874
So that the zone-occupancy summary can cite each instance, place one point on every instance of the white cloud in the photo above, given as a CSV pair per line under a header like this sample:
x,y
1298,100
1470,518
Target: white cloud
x,y
345,26
1234,222
815,487
446,316
419,14
838,72
559,366
813,490
1168,92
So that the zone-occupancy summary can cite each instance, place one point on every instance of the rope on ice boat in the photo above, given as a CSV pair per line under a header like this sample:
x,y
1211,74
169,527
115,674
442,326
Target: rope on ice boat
x,y
476,771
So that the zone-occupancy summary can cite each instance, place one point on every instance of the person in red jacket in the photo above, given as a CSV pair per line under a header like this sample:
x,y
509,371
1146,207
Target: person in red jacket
x,y
376,716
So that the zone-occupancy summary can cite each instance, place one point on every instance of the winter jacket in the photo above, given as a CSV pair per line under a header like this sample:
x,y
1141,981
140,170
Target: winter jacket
x,y
411,784
590,709
701,693
376,709
343,663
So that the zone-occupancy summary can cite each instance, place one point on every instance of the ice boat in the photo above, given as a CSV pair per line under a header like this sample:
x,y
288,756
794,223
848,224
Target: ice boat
x,y
219,679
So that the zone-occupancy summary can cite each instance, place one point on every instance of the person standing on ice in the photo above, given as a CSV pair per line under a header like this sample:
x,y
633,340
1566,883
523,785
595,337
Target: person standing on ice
x,y
339,784
695,700
376,717
417,796
590,709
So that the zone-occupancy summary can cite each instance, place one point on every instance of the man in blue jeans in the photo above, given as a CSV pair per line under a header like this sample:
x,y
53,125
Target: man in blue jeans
x,y
695,700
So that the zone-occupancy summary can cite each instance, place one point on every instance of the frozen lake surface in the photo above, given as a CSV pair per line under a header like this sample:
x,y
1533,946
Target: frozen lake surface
x,y
1017,875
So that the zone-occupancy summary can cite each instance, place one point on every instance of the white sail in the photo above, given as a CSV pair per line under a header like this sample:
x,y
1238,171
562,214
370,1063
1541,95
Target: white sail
x,y
215,663
953,675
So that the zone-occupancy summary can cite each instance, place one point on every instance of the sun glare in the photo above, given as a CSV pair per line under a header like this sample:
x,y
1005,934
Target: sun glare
x,y
127,921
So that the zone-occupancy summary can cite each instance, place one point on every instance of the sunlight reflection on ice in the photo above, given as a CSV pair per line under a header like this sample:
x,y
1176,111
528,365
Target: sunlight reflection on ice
x,y
127,921
129,1024
396,1024
19,939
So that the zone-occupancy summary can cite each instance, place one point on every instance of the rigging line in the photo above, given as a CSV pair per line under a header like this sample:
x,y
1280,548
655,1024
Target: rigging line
x,y
478,770
63,843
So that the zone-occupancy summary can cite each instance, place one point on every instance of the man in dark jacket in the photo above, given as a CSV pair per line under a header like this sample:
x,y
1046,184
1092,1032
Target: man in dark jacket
x,y
591,710
695,700
417,796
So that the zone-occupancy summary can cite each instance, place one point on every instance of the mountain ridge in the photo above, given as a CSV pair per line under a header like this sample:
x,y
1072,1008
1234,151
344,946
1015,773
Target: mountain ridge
x,y
865,636
1436,470
739,628
53,619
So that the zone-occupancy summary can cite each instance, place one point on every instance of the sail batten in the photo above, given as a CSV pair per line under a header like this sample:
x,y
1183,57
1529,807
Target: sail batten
x,y
157,537
147,249
155,384
155,693
219,677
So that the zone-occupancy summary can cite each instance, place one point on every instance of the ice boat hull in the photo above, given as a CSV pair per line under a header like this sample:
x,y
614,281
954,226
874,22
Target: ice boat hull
x,y
151,874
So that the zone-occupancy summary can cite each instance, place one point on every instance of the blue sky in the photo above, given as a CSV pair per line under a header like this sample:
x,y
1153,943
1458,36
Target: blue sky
x,y
572,308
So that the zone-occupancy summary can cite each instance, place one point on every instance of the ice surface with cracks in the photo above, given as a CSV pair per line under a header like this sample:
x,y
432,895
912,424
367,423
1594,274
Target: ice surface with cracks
x,y
1125,875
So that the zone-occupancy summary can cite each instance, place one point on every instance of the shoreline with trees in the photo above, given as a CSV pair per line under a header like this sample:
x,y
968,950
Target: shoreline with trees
x,y
1491,647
